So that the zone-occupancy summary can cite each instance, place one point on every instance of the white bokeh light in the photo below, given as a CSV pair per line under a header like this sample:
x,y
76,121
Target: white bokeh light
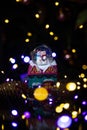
x,y
15,66
14,124
64,121
26,59
12,60
53,54
14,112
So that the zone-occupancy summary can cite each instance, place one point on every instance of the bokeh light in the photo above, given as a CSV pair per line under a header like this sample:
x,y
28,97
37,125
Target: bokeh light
x,y
14,124
14,112
27,114
71,86
40,93
26,59
64,121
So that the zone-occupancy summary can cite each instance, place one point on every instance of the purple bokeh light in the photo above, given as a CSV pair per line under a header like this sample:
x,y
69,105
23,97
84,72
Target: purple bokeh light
x,y
39,117
76,119
84,102
27,114
76,97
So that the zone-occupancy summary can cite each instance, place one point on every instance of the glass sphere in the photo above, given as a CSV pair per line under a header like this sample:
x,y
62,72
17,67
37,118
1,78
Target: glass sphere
x,y
41,54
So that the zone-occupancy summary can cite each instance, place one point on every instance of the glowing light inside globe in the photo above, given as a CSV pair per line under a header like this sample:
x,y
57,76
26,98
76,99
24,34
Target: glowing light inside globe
x,y
41,52
64,121
40,93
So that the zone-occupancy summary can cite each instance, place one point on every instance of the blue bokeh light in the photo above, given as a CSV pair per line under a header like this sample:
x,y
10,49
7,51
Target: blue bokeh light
x,y
64,121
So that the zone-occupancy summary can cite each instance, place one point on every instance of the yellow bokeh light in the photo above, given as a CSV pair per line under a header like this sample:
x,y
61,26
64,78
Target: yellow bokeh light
x,y
18,0
71,86
78,87
56,3
27,122
2,72
58,84
78,83
62,105
66,129
65,76
56,38
66,105
23,96
58,109
37,16
73,50
85,85
23,116
82,75
6,21
79,111
29,34
81,26
84,79
2,127
27,40
57,128
74,114
84,67
47,26
51,33
79,76
40,93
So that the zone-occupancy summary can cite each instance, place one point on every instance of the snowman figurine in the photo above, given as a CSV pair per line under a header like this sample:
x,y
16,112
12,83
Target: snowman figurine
x,y
42,68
